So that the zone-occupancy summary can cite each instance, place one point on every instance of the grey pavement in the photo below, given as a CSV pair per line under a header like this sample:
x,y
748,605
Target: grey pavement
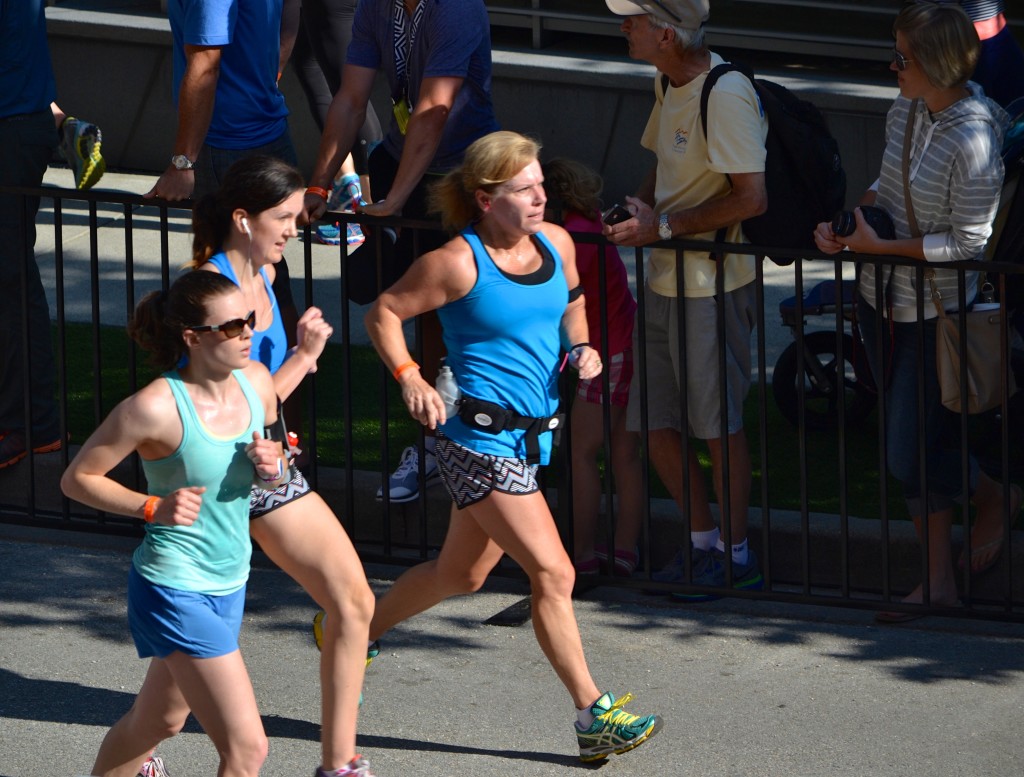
x,y
745,688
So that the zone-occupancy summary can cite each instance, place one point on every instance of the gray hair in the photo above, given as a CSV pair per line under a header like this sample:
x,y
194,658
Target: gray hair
x,y
686,40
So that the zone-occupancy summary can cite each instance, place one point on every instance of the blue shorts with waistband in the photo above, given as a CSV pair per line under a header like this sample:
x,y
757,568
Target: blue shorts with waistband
x,y
163,620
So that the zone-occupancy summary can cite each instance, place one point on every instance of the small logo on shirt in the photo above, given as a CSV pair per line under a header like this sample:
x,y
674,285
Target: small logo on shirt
x,y
679,141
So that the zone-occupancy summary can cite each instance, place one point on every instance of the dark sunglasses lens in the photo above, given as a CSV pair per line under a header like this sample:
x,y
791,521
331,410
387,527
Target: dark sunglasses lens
x,y
234,328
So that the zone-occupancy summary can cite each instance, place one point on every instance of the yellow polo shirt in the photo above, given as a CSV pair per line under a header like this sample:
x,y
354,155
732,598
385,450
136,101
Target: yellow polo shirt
x,y
692,170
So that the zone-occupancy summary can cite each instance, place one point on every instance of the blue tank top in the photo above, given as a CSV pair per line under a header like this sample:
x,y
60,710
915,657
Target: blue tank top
x,y
212,555
270,345
503,340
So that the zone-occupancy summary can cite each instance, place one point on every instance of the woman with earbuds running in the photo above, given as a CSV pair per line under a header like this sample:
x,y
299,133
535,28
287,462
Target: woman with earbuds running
x,y
241,232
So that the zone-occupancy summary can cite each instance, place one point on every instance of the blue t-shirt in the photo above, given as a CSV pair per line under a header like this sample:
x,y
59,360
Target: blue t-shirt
x,y
270,345
26,75
504,341
212,555
249,109
453,39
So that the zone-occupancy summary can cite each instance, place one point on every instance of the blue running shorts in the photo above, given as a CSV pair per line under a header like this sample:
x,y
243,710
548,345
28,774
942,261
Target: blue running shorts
x,y
163,620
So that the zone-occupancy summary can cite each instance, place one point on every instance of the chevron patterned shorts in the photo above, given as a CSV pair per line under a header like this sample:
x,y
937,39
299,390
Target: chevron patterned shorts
x,y
262,501
470,476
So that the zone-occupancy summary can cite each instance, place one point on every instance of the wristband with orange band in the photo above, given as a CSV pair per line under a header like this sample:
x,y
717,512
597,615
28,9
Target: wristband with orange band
x,y
149,510
403,367
319,191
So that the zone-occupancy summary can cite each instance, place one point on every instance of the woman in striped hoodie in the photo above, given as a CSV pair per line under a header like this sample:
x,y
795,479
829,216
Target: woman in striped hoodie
x,y
955,176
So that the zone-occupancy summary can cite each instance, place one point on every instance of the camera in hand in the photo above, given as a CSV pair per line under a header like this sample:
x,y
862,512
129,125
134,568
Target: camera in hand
x,y
616,214
844,223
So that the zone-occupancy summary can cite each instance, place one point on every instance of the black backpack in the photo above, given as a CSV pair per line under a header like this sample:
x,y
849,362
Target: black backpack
x,y
803,172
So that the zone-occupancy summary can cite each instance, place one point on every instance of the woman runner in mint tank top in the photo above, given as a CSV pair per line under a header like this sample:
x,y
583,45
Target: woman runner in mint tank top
x,y
240,232
502,292
198,432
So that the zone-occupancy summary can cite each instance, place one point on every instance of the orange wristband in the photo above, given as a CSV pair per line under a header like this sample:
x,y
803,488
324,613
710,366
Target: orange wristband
x,y
150,508
319,191
403,367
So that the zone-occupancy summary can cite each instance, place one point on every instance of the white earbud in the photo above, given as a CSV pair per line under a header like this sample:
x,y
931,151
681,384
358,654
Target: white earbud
x,y
245,226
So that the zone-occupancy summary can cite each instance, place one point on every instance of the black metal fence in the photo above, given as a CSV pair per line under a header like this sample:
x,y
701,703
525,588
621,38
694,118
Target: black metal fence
x,y
827,523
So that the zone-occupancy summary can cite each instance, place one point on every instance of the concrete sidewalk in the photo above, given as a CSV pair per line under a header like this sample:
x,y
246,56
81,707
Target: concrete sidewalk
x,y
745,688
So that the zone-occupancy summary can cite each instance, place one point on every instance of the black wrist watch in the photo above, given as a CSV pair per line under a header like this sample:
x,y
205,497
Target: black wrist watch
x,y
182,162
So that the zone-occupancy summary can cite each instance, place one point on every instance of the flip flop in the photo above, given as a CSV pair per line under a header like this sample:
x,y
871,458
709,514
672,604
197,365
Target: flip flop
x,y
1016,498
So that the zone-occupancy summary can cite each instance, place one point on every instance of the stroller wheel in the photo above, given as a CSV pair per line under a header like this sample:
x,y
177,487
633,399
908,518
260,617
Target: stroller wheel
x,y
821,380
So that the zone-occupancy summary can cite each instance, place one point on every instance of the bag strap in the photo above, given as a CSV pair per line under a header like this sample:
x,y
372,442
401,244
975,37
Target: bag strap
x,y
908,139
705,96
908,202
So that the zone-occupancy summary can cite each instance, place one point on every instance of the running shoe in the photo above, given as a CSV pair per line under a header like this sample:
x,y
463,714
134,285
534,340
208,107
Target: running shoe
x,y
328,234
404,483
153,767
357,767
318,635
14,447
614,730
81,143
346,193
355,235
675,570
710,572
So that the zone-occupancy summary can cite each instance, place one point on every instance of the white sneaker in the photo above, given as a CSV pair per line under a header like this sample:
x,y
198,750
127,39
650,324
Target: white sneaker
x,y
404,483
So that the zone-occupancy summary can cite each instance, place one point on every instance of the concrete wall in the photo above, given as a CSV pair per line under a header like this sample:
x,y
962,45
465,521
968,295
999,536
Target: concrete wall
x,y
116,70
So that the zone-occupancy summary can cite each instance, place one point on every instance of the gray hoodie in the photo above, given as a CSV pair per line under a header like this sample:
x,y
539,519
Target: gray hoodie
x,y
956,175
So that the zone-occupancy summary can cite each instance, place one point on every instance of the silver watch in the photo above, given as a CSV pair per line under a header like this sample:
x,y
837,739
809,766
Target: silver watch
x,y
664,230
182,162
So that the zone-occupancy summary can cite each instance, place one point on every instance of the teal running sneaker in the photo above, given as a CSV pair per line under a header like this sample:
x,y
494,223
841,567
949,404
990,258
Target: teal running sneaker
x,y
372,652
80,144
711,573
614,730
318,635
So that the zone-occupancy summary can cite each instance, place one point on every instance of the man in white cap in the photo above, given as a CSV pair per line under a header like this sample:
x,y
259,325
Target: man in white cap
x,y
701,188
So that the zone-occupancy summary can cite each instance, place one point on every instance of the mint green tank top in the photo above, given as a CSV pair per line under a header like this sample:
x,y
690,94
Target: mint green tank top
x,y
212,555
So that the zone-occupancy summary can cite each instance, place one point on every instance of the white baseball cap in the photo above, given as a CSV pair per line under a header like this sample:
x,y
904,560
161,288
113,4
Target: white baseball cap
x,y
688,14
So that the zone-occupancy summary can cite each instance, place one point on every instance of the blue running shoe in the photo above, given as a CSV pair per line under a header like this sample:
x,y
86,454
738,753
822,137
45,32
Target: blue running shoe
x,y
328,234
711,573
354,235
346,193
675,570
614,730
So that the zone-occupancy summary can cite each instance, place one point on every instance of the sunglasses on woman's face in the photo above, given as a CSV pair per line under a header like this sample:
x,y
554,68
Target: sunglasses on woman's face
x,y
232,328
900,60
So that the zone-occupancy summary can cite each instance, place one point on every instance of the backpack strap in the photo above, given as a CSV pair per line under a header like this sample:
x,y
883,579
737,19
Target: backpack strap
x,y
705,95
709,84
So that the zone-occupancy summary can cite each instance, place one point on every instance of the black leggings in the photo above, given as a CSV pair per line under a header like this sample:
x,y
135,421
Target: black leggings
x,y
325,30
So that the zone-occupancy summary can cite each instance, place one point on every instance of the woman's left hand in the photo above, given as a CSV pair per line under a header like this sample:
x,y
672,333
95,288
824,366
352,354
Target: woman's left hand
x,y
587,361
312,334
